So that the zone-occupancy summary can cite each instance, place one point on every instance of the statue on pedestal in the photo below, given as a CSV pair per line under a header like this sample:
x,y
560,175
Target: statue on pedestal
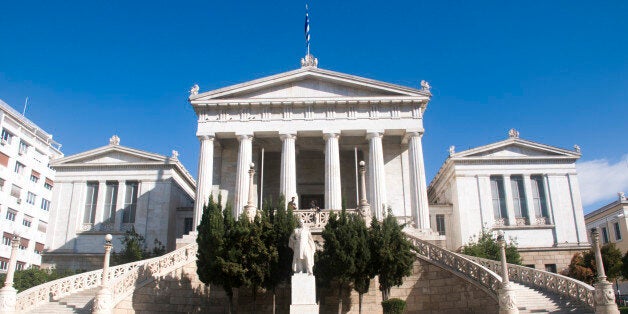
x,y
303,246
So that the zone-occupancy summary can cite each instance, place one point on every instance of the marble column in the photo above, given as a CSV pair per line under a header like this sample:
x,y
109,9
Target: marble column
x,y
333,192
205,174
418,188
377,174
288,175
245,156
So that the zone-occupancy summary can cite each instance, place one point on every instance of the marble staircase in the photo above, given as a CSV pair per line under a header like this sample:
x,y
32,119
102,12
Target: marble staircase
x,y
80,302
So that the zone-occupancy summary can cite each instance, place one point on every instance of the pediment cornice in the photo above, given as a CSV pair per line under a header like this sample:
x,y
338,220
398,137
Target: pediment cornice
x,y
373,90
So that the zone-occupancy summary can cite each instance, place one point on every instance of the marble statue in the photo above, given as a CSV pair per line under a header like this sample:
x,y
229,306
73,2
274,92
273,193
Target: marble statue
x,y
303,248
425,85
194,90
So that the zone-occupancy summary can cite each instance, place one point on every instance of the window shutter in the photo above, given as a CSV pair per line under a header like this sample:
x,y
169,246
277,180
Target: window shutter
x,y
35,174
4,160
24,242
50,182
39,247
8,235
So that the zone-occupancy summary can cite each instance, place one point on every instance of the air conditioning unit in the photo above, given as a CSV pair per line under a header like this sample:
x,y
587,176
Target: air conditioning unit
x,y
3,142
19,201
21,152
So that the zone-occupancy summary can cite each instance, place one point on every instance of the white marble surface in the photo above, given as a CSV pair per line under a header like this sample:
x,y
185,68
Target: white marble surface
x,y
303,289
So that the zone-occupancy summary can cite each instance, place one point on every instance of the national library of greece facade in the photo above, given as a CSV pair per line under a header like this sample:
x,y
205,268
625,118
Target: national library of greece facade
x,y
306,132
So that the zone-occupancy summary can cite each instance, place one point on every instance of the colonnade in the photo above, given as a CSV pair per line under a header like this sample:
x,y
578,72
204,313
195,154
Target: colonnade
x,y
333,192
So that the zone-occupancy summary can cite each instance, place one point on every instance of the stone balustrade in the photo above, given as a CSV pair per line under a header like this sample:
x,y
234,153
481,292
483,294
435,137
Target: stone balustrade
x,y
316,219
563,286
483,277
123,279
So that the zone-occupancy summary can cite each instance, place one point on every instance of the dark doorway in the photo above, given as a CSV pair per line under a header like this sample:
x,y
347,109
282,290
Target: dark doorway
x,y
307,199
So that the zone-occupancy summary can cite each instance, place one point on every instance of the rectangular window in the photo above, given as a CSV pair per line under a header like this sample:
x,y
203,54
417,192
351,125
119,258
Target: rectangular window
x,y
1,184
48,184
91,197
518,196
20,266
188,224
617,231
4,160
45,204
499,201
604,235
34,176
23,244
6,137
16,191
39,247
440,224
42,227
130,203
19,168
6,238
11,214
538,196
30,198
23,148
550,268
4,263
111,198
27,221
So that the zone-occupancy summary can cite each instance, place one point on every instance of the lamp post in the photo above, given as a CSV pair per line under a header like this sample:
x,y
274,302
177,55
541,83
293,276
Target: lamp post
x,y
604,294
8,294
103,303
250,208
507,300
364,207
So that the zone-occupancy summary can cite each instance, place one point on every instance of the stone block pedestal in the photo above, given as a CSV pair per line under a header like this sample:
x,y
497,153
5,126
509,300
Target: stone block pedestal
x,y
303,294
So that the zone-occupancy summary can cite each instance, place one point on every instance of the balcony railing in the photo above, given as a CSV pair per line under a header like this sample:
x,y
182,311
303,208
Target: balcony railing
x,y
317,218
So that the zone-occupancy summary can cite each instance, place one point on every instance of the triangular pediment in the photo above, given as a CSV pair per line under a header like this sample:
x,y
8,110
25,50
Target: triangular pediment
x,y
309,83
110,155
516,148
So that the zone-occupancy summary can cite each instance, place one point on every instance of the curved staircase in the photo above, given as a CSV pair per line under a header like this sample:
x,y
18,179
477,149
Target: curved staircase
x,y
536,291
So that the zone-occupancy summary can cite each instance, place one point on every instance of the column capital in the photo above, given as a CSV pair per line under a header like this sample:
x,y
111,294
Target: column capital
x,y
327,135
414,133
287,135
374,133
241,137
206,137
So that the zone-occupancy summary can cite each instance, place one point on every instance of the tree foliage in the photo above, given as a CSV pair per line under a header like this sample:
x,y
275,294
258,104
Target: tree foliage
x,y
133,248
392,253
28,278
486,246
584,268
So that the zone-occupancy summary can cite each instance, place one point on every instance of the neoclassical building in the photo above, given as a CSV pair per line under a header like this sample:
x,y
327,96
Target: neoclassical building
x,y
306,131
526,189
112,189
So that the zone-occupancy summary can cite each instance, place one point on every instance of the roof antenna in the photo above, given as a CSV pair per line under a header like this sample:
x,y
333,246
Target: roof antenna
x,y
25,104
309,60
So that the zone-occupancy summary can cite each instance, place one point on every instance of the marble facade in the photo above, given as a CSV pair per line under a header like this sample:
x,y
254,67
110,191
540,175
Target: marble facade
x,y
306,130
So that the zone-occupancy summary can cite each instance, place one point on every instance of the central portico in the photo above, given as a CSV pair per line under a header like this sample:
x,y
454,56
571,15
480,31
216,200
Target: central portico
x,y
305,131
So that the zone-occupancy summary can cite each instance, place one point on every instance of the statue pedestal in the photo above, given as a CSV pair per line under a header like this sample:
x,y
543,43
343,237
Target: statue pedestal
x,y
303,294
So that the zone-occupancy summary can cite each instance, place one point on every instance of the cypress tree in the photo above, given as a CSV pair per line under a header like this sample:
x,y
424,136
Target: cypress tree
x,y
363,274
393,254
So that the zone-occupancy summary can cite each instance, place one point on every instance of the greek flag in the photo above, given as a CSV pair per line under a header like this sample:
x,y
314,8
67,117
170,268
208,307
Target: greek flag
x,y
307,29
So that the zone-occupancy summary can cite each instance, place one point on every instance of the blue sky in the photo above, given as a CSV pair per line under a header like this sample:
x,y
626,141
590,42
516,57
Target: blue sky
x,y
556,71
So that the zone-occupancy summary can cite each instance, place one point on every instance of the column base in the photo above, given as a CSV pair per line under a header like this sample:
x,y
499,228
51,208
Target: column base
x,y
605,298
507,300
8,300
103,303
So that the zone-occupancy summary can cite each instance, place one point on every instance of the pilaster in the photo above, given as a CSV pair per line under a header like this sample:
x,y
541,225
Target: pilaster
x,y
205,176
527,185
120,205
333,191
100,204
245,156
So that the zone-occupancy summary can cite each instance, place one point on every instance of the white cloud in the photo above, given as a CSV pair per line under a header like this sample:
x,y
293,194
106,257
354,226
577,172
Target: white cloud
x,y
601,180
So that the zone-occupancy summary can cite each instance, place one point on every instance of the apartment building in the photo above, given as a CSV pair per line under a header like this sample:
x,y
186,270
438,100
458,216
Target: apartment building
x,y
26,182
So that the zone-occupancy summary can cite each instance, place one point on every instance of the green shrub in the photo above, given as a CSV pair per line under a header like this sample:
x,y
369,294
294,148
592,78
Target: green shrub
x,y
393,306
28,278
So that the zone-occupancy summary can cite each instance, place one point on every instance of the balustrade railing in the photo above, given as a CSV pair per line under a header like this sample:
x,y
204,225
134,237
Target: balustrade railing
x,y
484,277
317,218
565,287
123,279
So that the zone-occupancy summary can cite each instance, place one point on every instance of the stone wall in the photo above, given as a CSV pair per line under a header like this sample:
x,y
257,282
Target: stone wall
x,y
429,289
539,258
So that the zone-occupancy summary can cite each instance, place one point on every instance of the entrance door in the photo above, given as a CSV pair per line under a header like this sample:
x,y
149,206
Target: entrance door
x,y
309,201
